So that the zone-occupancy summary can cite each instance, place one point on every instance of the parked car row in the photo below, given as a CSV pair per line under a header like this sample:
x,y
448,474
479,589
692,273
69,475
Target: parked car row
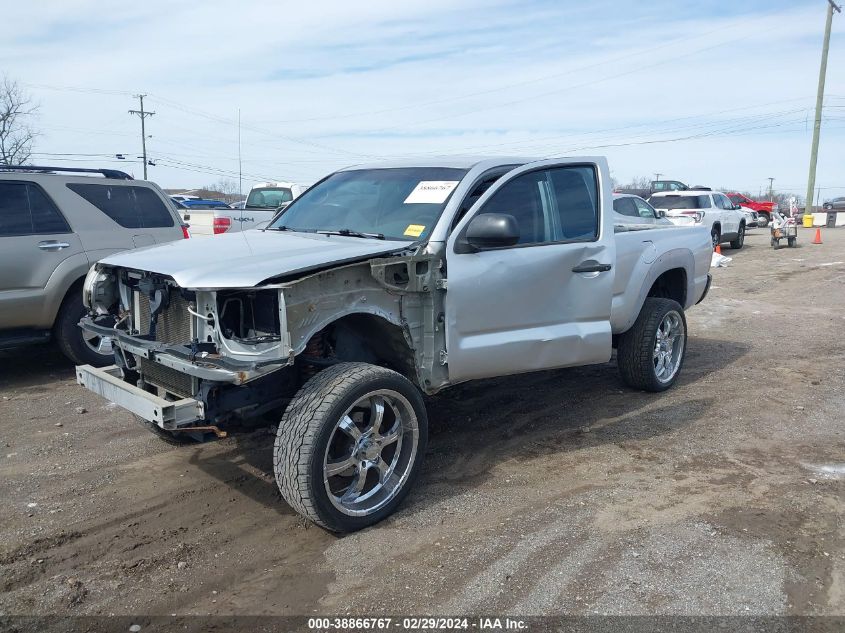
x,y
726,221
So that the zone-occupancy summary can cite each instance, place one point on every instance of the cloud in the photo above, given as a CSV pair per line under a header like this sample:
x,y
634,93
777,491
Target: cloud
x,y
324,84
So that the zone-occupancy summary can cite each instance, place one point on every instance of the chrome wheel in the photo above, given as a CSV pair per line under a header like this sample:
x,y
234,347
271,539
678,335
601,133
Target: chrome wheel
x,y
371,453
96,343
669,346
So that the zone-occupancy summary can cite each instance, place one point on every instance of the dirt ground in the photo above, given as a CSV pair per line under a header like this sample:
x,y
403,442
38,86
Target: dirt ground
x,y
553,493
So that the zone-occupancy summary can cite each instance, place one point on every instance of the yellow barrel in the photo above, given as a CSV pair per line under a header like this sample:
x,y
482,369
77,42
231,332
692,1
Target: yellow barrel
x,y
808,221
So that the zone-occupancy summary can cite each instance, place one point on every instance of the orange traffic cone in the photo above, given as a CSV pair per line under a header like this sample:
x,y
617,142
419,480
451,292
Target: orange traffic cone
x,y
818,238
718,249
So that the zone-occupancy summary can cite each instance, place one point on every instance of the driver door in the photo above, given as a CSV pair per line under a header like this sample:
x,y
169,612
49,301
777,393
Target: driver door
x,y
543,302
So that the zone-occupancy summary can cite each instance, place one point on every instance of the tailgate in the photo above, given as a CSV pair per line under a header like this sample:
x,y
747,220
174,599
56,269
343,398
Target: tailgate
x,y
201,221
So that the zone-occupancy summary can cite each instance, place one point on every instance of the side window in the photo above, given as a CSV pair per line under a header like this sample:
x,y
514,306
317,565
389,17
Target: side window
x,y
644,209
625,206
721,202
15,218
704,202
131,207
551,205
45,216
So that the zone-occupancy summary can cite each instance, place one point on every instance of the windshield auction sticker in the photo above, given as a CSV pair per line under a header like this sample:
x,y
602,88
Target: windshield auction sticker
x,y
431,192
414,230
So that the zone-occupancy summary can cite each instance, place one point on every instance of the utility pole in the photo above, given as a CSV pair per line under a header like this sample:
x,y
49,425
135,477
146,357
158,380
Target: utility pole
x,y
814,150
657,175
143,114
771,190
240,169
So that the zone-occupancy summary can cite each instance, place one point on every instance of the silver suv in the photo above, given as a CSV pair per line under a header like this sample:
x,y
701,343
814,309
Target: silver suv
x,y
54,224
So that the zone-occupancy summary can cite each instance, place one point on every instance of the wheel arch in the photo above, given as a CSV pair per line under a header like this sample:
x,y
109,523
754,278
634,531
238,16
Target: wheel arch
x,y
671,276
368,336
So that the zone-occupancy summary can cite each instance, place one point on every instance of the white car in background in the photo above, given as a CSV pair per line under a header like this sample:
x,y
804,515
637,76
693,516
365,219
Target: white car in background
x,y
727,223
752,218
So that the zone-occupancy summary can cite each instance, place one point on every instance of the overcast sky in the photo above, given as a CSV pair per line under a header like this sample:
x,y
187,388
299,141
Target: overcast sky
x,y
711,92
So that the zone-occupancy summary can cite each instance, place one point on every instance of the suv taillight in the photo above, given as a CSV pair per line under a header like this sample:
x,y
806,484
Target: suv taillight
x,y
185,233
695,215
222,224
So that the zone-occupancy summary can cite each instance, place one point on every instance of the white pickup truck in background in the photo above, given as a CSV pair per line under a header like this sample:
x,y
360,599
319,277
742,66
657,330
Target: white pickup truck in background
x,y
262,203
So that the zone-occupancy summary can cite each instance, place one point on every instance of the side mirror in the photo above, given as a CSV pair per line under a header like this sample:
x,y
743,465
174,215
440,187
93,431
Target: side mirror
x,y
661,213
490,230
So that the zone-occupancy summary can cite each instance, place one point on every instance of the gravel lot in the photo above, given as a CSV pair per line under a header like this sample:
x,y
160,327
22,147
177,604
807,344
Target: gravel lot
x,y
553,493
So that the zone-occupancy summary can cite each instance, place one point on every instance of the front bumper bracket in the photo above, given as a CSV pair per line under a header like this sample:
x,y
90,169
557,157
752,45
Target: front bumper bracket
x,y
168,414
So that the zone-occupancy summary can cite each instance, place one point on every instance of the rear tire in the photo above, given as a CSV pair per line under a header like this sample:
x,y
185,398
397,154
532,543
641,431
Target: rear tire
x,y
71,338
716,236
740,238
649,359
762,221
335,462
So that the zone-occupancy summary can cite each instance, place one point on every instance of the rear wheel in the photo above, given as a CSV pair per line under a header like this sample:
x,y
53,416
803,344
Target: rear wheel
x,y
763,221
716,236
350,445
740,238
651,353
790,241
83,348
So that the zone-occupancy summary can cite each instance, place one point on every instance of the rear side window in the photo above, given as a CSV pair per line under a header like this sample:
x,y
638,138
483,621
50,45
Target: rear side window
x,y
680,202
26,210
625,206
131,207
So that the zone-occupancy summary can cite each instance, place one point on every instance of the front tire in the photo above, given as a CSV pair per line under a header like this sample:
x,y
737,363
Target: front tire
x,y
350,445
651,353
79,346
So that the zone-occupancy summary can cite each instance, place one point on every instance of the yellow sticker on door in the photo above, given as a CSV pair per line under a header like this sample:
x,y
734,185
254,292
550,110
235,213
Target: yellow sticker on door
x,y
414,230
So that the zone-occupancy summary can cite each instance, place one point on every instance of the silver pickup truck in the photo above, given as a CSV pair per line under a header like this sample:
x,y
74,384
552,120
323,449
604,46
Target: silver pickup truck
x,y
381,284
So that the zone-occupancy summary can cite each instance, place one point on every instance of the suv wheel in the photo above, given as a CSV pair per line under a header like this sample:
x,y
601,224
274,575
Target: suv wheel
x,y
651,353
80,346
716,236
762,221
350,445
740,237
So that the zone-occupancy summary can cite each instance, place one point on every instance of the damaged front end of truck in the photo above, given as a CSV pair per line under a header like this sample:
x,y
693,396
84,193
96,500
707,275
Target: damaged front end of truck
x,y
197,359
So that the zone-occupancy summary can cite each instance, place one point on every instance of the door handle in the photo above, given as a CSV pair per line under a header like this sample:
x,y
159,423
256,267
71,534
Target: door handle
x,y
52,245
591,268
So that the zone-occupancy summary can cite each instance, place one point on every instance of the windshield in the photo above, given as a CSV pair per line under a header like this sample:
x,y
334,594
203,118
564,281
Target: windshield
x,y
400,204
680,202
268,197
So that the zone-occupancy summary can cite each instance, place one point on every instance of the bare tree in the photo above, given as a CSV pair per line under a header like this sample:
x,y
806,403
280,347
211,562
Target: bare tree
x,y
16,135
227,187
